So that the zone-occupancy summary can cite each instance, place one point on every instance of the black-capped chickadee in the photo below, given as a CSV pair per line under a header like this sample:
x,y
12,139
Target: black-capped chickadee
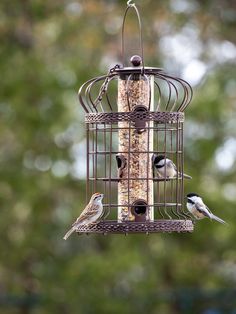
x,y
198,209
166,168
121,164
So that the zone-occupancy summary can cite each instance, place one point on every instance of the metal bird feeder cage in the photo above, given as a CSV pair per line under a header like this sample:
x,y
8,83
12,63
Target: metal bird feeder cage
x,y
123,136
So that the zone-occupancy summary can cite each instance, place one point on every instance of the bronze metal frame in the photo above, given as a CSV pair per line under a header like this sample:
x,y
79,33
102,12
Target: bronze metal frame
x,y
102,119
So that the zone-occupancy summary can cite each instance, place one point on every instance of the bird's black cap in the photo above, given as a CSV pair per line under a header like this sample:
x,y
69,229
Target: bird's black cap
x,y
192,194
158,158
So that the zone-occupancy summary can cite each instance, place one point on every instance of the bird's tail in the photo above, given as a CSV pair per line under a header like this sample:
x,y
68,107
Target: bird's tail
x,y
66,236
218,219
187,176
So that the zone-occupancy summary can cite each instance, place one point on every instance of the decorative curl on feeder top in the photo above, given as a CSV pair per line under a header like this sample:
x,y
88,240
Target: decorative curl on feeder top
x,y
127,138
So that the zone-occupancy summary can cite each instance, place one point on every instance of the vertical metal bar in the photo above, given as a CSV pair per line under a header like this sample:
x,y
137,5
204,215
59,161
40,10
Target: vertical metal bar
x,y
156,195
93,158
176,147
96,157
110,157
129,208
177,165
159,147
172,182
165,140
150,195
87,162
186,213
182,165
105,161
147,177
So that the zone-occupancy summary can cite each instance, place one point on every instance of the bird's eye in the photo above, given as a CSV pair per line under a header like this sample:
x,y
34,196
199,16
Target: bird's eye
x,y
190,201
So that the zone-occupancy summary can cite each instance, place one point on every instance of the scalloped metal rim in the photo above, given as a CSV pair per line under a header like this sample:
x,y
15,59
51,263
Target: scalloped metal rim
x,y
157,226
114,117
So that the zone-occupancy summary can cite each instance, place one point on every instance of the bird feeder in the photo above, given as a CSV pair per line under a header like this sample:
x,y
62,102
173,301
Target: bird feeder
x,y
123,138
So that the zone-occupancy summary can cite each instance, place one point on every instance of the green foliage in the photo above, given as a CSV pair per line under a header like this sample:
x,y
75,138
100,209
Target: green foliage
x,y
48,49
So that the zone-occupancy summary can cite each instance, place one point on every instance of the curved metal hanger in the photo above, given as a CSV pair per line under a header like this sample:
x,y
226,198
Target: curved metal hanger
x,y
131,5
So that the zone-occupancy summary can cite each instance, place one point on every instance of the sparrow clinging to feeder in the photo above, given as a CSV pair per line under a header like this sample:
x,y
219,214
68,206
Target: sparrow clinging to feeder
x,y
92,214
166,168
198,209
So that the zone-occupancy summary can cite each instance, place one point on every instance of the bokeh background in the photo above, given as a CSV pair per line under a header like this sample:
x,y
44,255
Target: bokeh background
x,y
48,49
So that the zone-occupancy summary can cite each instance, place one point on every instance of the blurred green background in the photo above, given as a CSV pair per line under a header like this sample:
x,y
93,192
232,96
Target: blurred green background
x,y
48,49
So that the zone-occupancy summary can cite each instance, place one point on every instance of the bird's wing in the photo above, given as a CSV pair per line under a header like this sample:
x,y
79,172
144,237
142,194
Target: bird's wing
x,y
86,213
209,210
203,209
104,214
170,162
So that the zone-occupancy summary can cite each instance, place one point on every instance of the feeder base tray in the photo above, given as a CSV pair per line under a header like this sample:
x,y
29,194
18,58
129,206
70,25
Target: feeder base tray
x,y
157,226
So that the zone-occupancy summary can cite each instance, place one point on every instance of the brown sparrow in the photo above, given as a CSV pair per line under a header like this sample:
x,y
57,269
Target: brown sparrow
x,y
92,214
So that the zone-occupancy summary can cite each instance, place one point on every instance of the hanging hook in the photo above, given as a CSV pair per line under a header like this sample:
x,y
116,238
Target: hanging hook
x,y
129,4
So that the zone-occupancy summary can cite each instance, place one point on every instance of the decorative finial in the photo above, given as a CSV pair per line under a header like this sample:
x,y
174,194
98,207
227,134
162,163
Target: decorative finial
x,y
136,60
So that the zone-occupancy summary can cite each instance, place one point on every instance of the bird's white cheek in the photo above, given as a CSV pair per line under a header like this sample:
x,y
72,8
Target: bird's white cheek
x,y
189,206
161,163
